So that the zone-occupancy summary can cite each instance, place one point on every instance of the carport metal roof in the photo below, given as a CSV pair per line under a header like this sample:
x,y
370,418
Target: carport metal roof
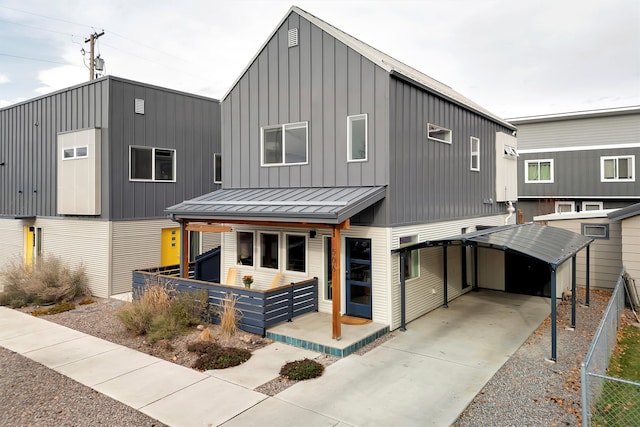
x,y
548,244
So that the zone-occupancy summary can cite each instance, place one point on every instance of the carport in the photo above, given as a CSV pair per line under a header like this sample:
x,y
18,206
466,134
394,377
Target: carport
x,y
551,245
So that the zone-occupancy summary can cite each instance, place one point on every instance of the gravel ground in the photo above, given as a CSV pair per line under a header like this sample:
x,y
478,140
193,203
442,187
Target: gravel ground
x,y
529,391
526,391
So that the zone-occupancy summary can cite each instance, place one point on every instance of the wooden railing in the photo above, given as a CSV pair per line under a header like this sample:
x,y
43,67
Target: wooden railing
x,y
258,309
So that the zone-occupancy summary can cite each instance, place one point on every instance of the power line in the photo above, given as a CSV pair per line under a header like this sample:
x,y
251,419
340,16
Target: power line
x,y
35,28
45,16
37,60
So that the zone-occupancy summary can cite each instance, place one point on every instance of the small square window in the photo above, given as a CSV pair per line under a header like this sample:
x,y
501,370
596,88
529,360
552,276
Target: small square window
x,y
596,231
538,171
285,144
151,164
617,168
438,133
82,151
69,153
563,207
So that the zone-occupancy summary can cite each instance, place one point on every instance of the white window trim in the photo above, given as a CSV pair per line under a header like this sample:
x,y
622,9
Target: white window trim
x,y
540,181
306,253
474,153
284,127
564,202
632,167
258,249
75,153
253,246
440,128
153,164
414,240
604,227
215,169
600,205
350,120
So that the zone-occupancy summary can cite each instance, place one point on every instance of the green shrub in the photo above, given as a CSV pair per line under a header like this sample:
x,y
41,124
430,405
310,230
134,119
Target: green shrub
x,y
190,308
164,326
136,317
302,369
214,356
50,280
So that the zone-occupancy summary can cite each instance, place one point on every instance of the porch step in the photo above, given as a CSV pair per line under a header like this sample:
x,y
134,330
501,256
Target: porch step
x,y
313,332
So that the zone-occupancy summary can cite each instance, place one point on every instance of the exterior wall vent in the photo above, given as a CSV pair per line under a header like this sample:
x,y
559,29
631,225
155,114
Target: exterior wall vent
x,y
293,37
139,106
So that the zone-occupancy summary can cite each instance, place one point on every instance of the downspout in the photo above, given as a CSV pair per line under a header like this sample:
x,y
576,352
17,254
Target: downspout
x,y
511,210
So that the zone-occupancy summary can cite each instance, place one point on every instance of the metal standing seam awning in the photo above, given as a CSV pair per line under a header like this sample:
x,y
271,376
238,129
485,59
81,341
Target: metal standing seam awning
x,y
311,207
551,245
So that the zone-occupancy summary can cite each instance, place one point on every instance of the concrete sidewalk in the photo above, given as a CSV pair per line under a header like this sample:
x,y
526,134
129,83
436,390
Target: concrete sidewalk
x,y
425,376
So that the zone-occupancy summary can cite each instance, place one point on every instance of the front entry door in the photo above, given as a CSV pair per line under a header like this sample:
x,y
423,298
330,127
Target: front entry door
x,y
358,280
170,247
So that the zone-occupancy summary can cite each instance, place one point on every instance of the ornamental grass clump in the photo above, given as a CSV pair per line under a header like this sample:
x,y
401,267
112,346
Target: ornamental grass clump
x,y
161,312
230,316
302,370
48,281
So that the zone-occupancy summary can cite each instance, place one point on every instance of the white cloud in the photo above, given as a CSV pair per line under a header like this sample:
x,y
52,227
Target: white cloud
x,y
4,78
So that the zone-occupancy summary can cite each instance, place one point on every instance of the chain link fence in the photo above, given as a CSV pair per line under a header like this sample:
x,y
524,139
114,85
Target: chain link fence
x,y
608,400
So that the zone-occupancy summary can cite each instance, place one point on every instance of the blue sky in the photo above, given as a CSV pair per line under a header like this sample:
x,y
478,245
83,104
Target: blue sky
x,y
515,58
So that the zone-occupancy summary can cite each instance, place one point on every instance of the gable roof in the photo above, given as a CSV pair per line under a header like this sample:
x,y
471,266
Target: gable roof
x,y
384,61
548,244
328,205
625,213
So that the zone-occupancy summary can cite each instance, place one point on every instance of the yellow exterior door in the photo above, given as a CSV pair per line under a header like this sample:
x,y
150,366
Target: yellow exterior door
x,y
170,250
29,244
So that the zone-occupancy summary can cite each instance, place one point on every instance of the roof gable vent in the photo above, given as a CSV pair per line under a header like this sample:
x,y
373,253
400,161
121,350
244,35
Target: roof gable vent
x,y
293,37
139,106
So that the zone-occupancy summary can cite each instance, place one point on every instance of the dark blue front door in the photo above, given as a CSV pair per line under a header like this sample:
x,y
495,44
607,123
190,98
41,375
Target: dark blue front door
x,y
358,270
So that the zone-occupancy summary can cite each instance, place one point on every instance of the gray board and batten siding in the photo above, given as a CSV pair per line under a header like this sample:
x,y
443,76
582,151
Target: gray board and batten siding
x,y
322,81
577,175
28,138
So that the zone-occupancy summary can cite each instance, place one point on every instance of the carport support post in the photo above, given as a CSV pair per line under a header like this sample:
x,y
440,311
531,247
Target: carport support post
x,y
573,292
403,292
444,275
336,325
553,313
475,268
587,284
184,250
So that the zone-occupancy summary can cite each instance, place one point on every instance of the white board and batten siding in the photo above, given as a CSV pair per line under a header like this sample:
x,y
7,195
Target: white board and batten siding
x,y
80,242
135,245
425,292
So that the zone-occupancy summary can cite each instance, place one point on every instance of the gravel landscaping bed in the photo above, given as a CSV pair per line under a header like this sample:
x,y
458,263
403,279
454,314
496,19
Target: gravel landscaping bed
x,y
530,391
526,391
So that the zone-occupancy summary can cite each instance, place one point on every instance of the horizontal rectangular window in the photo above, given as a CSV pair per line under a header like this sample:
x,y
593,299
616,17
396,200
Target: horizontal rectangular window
x,y
285,144
75,153
592,206
438,133
617,168
565,207
596,231
538,171
152,164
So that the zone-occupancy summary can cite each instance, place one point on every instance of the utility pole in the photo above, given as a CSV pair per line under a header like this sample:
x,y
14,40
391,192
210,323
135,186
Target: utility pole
x,y
92,40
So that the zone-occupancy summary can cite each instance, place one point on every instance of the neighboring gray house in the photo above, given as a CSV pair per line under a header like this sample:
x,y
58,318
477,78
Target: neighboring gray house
x,y
629,219
335,153
86,172
578,161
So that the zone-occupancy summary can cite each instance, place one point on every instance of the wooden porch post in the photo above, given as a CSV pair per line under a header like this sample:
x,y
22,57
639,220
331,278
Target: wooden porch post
x,y
336,332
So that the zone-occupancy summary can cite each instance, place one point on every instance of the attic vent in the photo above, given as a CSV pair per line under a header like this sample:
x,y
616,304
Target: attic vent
x,y
139,106
293,37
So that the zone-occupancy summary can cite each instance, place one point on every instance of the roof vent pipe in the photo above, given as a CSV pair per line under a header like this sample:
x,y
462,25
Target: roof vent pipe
x,y
511,210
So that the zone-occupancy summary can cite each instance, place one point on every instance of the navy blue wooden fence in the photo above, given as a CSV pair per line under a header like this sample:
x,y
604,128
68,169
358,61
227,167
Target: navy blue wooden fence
x,y
258,309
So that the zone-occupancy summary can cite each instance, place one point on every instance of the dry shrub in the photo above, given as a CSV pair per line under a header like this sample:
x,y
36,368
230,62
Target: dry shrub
x,y
156,297
50,280
205,335
229,316
61,307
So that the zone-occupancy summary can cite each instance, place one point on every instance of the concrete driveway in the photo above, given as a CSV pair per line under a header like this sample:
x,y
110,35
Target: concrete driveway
x,y
425,376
